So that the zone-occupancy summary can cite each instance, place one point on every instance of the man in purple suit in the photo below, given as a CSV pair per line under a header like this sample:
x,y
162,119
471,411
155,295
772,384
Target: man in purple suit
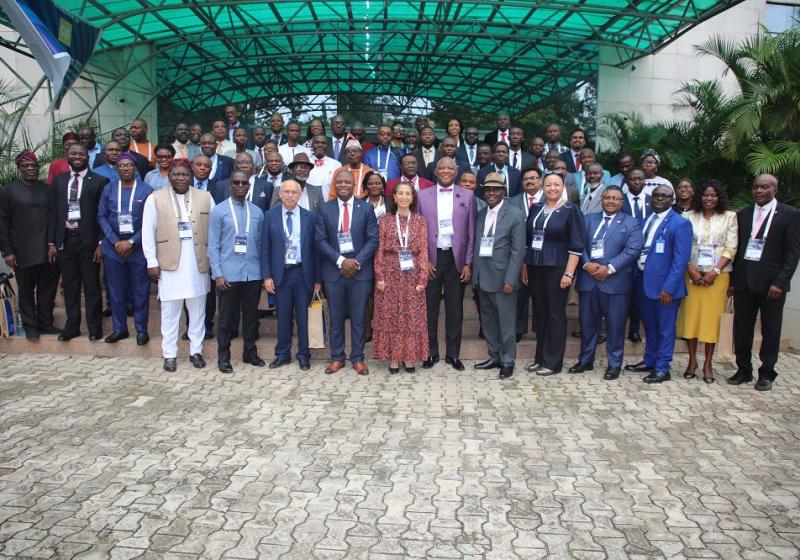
x,y
450,212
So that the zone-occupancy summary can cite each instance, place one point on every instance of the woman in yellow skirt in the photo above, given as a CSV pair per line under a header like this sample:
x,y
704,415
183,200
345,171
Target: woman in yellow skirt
x,y
714,243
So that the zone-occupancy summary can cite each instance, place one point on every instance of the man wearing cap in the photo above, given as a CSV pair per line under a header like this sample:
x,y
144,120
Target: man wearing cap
x,y
260,191
355,167
310,195
175,243
497,261
26,209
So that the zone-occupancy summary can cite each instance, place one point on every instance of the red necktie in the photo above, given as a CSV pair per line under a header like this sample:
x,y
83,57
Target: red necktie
x,y
502,136
261,155
345,220
530,201
577,163
319,162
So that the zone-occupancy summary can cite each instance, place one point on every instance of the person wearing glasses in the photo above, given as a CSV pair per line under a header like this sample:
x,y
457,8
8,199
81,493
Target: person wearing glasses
x,y
158,178
613,243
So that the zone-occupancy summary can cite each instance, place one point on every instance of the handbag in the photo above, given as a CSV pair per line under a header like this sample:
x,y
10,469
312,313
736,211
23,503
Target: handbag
x,y
725,340
8,309
317,320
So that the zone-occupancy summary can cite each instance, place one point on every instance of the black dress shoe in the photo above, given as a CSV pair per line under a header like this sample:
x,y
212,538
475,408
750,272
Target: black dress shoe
x,y
480,334
209,334
107,312
740,378
142,338
657,377
428,364
64,337
95,337
455,362
764,385
611,373
49,329
488,364
409,369
601,338
506,372
225,367
170,364
640,367
394,370
116,337
32,335
255,361
278,362
576,334
635,337
197,361
305,365
581,368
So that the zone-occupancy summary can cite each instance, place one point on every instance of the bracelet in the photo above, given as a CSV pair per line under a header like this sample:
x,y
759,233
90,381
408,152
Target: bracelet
x,y
569,274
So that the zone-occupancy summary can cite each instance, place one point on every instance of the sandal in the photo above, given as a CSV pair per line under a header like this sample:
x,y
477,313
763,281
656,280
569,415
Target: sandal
x,y
690,374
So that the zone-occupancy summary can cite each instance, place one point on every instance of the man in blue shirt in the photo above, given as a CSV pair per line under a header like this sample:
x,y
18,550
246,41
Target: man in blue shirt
x,y
234,253
381,158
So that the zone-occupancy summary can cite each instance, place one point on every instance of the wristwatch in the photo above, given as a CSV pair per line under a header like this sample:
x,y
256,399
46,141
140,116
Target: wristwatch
x,y
717,271
568,274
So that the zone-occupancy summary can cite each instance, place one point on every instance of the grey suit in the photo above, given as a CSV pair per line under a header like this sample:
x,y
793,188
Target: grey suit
x,y
593,202
490,274
314,193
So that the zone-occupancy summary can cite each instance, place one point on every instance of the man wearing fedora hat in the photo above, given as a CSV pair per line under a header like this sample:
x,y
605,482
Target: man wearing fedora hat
x,y
310,195
496,263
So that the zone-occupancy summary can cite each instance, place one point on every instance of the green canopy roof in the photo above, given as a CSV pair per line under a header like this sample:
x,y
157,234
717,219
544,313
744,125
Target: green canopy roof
x,y
496,55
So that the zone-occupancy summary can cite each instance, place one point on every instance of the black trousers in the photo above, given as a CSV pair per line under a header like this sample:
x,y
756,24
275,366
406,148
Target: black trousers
x,y
524,302
550,314
448,278
746,307
240,296
634,313
37,286
78,271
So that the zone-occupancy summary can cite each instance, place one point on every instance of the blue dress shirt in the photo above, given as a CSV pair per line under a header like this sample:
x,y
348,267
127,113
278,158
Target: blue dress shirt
x,y
295,229
221,238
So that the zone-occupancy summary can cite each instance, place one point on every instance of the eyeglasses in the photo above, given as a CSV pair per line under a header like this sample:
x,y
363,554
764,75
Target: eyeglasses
x,y
612,198
163,156
240,182
661,195
554,172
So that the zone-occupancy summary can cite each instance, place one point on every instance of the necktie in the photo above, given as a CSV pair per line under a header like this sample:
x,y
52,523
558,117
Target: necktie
x,y
319,162
531,201
73,188
515,160
759,221
637,210
199,185
502,136
577,163
289,223
337,145
602,233
261,156
428,156
471,155
648,228
446,189
345,219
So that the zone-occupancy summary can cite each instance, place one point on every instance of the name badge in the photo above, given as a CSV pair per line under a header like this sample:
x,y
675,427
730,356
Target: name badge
x,y
705,256
185,230
125,223
291,254
660,247
755,247
384,173
74,211
406,260
597,248
446,227
538,240
240,244
345,243
487,246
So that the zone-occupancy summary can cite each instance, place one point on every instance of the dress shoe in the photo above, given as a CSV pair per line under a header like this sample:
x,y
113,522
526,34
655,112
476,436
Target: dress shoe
x,y
225,367
142,338
611,373
197,361
409,369
640,367
116,337
278,362
394,370
764,385
333,367
305,365
49,329
95,337
533,367
428,364
367,339
488,364
170,364
576,334
601,338
209,334
455,362
581,368
107,312
255,361
361,368
635,337
32,335
506,372
657,377
545,372
740,378
64,337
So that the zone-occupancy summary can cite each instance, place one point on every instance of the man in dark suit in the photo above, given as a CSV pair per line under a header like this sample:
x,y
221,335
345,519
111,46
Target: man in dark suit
x,y
291,269
447,148
766,259
468,150
500,165
260,192
639,205
232,118
613,244
338,139
221,166
518,157
572,157
497,260
346,235
426,150
530,195
123,138
75,233
276,133
667,247
502,132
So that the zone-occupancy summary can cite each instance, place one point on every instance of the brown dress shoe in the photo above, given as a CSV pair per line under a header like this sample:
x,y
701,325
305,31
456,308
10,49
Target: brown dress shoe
x,y
361,368
333,367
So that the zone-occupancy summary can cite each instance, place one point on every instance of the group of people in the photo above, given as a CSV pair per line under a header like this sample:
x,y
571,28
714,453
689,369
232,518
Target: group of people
x,y
389,231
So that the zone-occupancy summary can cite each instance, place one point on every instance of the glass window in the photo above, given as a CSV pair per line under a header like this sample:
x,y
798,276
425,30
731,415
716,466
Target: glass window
x,y
780,17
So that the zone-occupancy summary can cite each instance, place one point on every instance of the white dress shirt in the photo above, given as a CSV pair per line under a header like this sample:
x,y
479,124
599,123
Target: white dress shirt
x,y
288,152
768,209
444,211
321,174
491,219
640,200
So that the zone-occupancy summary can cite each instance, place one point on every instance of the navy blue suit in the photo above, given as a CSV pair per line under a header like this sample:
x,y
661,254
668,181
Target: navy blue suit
x,y
663,272
622,245
347,296
514,180
262,192
635,313
126,278
223,170
294,284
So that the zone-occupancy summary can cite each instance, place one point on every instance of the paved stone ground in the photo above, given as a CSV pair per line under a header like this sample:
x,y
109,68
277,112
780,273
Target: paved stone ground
x,y
113,458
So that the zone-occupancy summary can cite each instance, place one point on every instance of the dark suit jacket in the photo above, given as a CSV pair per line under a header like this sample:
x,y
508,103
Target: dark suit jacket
x,y
224,168
568,158
491,137
142,163
527,160
780,256
364,230
342,159
281,139
626,207
665,271
622,245
273,247
514,180
262,192
89,228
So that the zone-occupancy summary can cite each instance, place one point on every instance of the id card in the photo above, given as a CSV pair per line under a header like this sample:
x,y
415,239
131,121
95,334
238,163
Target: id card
x,y
446,227
597,248
755,247
291,255
384,173
125,223
487,246
73,211
660,247
345,243
406,260
240,244
185,230
538,240
705,256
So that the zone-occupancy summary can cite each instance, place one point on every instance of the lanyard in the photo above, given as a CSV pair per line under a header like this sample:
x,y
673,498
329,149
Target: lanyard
x,y
149,149
388,157
119,198
547,218
769,224
402,237
358,181
249,195
610,219
172,200
236,222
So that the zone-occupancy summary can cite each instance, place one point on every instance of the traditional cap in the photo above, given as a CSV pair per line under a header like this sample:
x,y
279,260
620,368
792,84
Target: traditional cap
x,y
126,156
353,144
70,136
180,162
494,181
301,158
26,156
652,153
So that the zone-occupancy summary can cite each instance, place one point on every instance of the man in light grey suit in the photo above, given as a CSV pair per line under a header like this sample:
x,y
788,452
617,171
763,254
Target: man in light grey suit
x,y
310,195
593,198
497,262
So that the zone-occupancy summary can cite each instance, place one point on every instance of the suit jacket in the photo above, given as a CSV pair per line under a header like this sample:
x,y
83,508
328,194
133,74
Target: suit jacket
x,y
273,247
595,204
664,271
568,158
464,213
514,180
421,167
223,170
626,206
89,228
143,166
527,160
282,139
508,252
779,257
364,230
605,180
262,192
622,245
342,159
492,137
430,172
314,193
